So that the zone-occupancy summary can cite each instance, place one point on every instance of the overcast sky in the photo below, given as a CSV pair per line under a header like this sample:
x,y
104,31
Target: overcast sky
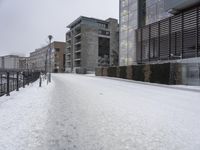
x,y
25,24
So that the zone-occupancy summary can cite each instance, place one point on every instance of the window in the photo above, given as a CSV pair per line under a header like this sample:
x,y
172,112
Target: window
x,y
103,32
102,25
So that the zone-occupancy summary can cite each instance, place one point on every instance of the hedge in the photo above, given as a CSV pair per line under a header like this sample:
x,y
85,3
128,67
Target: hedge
x,y
156,73
112,71
99,71
105,72
123,72
160,73
138,73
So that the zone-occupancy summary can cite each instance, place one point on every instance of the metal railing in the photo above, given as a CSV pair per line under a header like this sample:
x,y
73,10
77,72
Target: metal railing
x,y
176,37
11,80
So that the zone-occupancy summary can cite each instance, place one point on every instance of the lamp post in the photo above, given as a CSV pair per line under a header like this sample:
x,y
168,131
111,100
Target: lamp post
x,y
45,69
50,38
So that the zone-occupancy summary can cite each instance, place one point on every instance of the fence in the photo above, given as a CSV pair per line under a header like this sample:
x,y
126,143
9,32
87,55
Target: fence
x,y
11,80
173,38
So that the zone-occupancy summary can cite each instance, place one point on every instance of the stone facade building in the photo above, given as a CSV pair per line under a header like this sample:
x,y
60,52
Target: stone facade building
x,y
39,59
91,43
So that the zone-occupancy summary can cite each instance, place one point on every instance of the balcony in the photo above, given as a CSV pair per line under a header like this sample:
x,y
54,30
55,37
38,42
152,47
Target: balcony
x,y
69,46
68,40
77,31
68,65
78,35
77,47
77,59
78,43
68,57
68,60
68,35
78,63
77,39
68,54
77,56
78,51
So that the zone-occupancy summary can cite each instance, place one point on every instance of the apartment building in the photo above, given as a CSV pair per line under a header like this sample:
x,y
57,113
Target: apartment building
x,y
91,43
13,62
23,63
1,62
39,59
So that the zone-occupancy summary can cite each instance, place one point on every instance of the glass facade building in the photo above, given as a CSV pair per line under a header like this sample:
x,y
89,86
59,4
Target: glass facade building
x,y
135,14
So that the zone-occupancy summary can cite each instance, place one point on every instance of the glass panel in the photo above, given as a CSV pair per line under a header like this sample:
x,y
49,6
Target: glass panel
x,y
128,24
155,11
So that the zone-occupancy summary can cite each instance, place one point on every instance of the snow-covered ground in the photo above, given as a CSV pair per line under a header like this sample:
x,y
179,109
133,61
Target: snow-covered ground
x,y
23,117
77,112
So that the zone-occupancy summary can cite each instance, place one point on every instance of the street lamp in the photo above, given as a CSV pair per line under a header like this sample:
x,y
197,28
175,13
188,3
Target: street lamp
x,y
50,38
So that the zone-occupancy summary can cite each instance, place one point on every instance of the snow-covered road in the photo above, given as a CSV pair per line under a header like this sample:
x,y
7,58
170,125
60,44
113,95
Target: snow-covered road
x,y
91,113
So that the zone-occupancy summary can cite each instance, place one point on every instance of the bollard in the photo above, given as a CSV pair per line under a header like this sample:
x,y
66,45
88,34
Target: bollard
x,y
4,88
40,81
8,87
1,84
13,79
23,74
47,79
17,81
28,78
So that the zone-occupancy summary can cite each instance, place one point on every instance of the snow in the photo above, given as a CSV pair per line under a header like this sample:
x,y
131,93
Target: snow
x,y
22,117
78,112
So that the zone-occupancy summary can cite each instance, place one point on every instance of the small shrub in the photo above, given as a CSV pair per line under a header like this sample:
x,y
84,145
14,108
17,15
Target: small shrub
x,y
99,71
138,73
112,71
105,71
160,73
122,72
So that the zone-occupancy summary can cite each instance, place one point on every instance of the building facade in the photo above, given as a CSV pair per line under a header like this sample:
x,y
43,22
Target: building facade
x,y
91,43
13,62
172,39
23,63
39,59
2,62
166,31
133,15
162,25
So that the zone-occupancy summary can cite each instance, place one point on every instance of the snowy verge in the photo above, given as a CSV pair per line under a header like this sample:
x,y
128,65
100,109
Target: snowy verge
x,y
178,87
21,122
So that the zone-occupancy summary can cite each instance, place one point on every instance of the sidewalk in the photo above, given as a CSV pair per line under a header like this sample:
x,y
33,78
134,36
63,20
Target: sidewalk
x,y
22,117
